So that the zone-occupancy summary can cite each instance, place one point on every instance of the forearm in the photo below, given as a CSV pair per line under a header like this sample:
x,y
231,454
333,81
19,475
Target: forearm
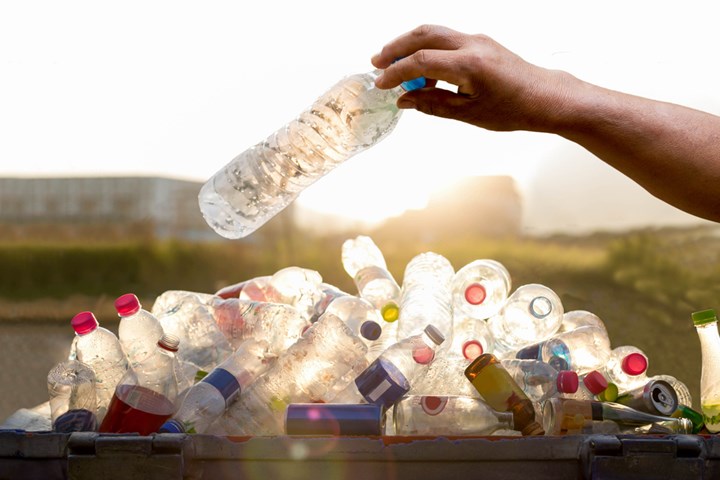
x,y
671,151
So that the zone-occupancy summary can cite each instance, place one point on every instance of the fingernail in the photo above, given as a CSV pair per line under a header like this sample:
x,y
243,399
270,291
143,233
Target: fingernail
x,y
405,103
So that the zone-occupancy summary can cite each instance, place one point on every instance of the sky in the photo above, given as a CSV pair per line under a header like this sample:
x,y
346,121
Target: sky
x,y
179,88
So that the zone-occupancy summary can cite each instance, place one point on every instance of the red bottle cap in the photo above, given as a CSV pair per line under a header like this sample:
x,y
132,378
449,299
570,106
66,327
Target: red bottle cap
x,y
595,382
127,304
475,294
634,364
472,349
567,381
84,322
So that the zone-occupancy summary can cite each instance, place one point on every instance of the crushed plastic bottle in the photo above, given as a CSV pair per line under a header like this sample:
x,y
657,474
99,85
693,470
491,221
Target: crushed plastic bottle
x,y
100,349
139,330
260,182
448,415
73,402
480,289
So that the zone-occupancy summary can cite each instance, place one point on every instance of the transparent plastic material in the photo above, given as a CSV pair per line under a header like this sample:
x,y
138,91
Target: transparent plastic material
x,y
360,315
448,415
627,367
99,349
471,337
533,312
580,318
145,396
582,350
426,295
71,388
480,288
260,182
706,325
444,376
139,330
310,370
299,287
209,398
540,381
365,263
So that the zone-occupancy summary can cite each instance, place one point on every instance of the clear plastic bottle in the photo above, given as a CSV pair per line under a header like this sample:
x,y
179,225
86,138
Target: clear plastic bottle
x,y
583,349
499,390
580,318
444,376
626,367
306,372
705,322
471,337
296,286
390,376
540,380
278,324
257,184
365,263
360,315
480,288
190,317
209,398
329,293
100,349
533,312
139,330
73,402
448,415
252,289
145,396
594,386
426,295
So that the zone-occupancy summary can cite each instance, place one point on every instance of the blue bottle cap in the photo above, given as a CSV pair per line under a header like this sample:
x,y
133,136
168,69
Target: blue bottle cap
x,y
413,84
382,383
370,330
334,419
172,426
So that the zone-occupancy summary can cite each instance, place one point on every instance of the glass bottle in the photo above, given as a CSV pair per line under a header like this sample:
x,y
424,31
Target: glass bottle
x,y
705,322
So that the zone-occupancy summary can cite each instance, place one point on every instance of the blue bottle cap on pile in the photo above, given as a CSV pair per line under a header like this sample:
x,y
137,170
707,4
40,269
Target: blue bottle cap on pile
x,y
370,330
382,383
172,426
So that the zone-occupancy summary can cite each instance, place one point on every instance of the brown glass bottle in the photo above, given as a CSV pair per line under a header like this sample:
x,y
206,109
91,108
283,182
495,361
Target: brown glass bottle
x,y
500,391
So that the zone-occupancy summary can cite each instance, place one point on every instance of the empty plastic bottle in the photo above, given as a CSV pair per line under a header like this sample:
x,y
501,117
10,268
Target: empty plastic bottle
x,y
594,386
626,367
360,315
580,318
481,288
209,398
305,373
540,380
533,312
257,184
448,415
426,295
99,349
471,337
582,350
278,324
73,402
328,294
365,263
145,396
296,286
705,322
139,330
445,377
390,376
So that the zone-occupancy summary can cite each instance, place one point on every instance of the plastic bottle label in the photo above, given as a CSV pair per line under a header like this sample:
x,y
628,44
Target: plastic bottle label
x,y
225,382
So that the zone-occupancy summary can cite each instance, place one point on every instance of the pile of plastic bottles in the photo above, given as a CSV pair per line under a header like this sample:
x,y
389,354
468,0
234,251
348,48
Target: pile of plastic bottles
x,y
448,353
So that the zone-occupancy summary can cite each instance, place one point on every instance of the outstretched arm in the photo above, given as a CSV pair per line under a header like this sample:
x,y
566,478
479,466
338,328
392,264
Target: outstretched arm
x,y
670,150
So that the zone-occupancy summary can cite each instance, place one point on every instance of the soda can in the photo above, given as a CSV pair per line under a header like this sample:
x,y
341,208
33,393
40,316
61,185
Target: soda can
x,y
334,419
657,397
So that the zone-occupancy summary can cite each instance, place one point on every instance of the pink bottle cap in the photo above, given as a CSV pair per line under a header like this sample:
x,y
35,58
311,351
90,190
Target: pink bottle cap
x,y
595,382
475,294
84,322
127,304
472,349
634,364
567,381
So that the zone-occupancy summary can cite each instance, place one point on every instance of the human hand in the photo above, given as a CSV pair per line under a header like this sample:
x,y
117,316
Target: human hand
x,y
496,89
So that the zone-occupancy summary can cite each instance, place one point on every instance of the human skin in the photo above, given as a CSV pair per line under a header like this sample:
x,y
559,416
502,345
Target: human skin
x,y
670,150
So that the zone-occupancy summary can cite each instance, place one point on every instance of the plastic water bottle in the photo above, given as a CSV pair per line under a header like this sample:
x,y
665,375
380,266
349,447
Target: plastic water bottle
x,y
471,337
365,263
426,295
145,396
305,373
189,316
582,350
540,380
626,367
705,322
139,330
73,402
278,324
580,318
209,398
360,315
328,294
481,288
448,415
100,349
594,386
390,376
252,289
499,390
533,312
257,184
445,377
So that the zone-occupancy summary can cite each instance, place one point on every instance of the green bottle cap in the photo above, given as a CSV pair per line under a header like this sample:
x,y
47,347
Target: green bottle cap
x,y
704,316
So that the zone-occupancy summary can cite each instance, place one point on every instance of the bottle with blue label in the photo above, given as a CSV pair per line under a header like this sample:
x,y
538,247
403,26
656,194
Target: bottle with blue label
x,y
209,398
256,185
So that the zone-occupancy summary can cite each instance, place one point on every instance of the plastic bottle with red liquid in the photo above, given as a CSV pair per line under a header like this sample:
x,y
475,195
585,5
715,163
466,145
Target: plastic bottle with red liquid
x,y
145,396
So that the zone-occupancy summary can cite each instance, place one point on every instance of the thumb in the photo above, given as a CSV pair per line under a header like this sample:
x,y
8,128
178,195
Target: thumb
x,y
437,102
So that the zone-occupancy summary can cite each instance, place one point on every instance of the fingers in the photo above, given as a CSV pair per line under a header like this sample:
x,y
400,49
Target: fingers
x,y
437,102
432,64
424,37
